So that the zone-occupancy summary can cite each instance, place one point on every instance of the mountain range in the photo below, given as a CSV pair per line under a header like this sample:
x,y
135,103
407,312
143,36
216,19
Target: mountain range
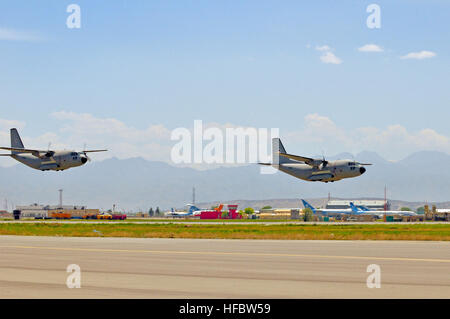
x,y
137,184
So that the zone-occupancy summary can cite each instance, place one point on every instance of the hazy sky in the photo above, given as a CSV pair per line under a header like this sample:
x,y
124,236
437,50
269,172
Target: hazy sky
x,y
136,70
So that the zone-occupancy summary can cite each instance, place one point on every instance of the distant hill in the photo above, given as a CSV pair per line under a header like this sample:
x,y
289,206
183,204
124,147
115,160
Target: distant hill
x,y
137,184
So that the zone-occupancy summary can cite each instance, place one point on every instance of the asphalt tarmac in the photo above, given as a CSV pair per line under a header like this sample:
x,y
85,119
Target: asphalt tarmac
x,y
36,267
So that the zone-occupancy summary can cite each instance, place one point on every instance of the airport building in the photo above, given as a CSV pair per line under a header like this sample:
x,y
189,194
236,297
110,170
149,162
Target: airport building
x,y
43,211
280,213
374,204
4,214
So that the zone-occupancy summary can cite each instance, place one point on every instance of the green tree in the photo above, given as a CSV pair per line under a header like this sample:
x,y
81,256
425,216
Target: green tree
x,y
224,214
405,209
249,210
267,207
151,212
421,210
157,212
307,214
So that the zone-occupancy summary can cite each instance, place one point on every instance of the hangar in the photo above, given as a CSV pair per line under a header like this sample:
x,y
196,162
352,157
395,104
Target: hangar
x,y
373,204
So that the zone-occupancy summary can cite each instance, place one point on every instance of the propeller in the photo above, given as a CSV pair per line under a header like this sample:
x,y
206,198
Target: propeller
x,y
324,162
49,153
85,154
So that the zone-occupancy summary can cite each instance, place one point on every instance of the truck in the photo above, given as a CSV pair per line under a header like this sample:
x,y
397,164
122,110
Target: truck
x,y
104,216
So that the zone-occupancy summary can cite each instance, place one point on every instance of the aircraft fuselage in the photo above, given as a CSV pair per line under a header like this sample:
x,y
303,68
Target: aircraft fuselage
x,y
61,160
333,171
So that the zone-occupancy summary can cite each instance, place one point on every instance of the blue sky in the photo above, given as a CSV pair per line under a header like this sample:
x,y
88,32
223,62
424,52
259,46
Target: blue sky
x,y
152,66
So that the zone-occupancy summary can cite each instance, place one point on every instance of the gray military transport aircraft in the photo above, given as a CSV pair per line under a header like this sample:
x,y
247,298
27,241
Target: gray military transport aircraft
x,y
312,169
45,160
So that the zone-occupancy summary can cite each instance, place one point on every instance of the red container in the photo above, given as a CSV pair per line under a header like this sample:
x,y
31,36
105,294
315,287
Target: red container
x,y
212,214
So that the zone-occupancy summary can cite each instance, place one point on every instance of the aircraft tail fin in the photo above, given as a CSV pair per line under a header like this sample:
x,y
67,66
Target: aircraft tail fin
x,y
354,208
308,205
277,148
193,208
16,141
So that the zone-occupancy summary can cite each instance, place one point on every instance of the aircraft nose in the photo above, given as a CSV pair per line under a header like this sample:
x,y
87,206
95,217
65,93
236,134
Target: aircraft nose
x,y
84,160
362,170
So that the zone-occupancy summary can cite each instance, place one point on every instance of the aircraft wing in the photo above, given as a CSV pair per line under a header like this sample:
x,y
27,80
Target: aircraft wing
x,y
94,151
307,160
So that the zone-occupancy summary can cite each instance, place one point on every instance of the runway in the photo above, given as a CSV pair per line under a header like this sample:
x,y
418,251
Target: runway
x,y
35,267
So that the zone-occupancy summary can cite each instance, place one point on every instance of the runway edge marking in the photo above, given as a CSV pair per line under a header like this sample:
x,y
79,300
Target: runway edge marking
x,y
229,253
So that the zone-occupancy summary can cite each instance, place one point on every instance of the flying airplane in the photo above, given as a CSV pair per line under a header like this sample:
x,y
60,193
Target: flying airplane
x,y
380,213
45,160
313,169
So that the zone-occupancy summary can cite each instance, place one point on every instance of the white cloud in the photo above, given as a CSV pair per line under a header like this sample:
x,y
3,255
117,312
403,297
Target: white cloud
x,y
14,35
323,48
329,57
392,142
122,141
419,55
370,48
8,124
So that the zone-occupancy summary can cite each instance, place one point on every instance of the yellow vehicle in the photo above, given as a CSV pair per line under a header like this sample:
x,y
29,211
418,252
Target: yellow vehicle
x,y
104,216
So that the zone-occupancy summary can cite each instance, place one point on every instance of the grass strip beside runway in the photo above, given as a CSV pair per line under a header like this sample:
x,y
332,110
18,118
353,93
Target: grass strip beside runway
x,y
233,231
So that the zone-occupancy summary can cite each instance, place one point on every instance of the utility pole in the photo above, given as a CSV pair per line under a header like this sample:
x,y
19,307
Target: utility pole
x,y
60,198
385,204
